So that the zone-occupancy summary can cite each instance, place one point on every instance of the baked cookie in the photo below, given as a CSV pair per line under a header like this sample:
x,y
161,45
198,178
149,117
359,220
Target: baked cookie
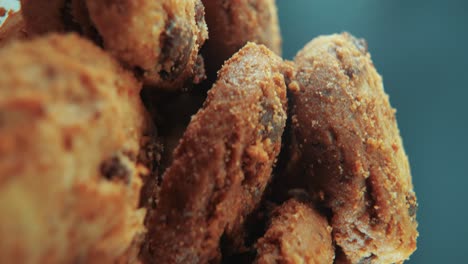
x,y
352,155
232,23
297,233
71,122
160,40
223,161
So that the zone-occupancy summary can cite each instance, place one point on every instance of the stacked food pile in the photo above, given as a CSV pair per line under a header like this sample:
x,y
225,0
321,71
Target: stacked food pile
x,y
173,132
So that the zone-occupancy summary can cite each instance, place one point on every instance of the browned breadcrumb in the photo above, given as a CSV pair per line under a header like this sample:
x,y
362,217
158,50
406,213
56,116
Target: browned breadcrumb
x,y
351,150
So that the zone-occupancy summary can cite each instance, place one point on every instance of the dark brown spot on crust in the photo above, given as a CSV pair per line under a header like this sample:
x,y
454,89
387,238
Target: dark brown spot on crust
x,y
349,72
139,72
2,12
114,169
68,142
176,43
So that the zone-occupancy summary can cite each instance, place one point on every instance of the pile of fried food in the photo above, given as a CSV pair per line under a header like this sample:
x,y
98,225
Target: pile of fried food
x,y
173,132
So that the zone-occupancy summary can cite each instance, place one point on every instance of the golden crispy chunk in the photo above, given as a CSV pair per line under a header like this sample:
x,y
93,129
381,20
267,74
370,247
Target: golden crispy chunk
x,y
223,162
71,122
352,154
297,233
160,40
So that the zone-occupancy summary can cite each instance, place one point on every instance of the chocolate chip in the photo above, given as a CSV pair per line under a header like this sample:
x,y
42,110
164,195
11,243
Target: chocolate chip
x,y
176,44
114,169
349,72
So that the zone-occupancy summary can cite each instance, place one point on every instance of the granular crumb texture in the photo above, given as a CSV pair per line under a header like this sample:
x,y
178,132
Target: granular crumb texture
x,y
161,46
297,233
233,23
71,122
223,162
351,153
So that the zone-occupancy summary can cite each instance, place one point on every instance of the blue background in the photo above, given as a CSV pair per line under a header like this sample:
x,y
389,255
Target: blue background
x,y
419,47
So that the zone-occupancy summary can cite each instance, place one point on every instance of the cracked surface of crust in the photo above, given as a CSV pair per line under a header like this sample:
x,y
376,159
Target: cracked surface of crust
x,y
352,154
71,121
297,233
232,23
158,39
223,161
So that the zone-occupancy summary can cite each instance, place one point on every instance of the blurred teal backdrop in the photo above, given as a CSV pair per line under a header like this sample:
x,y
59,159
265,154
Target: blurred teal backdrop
x,y
420,49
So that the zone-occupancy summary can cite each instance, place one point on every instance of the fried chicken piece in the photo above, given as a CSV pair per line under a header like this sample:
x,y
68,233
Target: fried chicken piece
x,y
223,161
297,233
233,23
160,40
12,28
352,154
71,122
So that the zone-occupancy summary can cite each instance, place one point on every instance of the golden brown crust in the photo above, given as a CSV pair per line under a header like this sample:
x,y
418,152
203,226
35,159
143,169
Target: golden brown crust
x,y
13,28
353,157
71,121
223,161
233,23
297,233
158,39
